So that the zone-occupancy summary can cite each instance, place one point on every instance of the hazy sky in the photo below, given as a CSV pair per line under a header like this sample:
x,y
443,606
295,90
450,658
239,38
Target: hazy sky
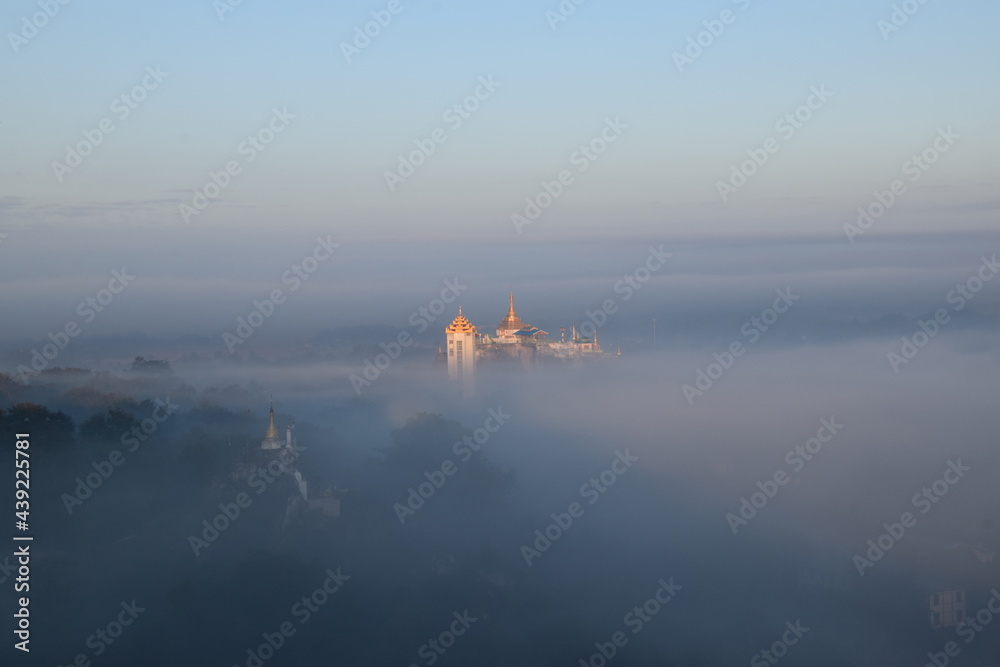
x,y
168,167
682,130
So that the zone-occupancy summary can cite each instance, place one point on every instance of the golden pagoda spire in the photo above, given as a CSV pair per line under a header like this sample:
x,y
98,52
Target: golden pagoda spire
x,y
272,431
512,322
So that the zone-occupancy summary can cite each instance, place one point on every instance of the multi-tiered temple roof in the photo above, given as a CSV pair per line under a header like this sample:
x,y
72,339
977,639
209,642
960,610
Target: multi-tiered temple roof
x,y
460,324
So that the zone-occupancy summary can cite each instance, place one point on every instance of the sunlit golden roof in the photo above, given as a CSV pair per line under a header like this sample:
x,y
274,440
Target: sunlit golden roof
x,y
460,324
512,322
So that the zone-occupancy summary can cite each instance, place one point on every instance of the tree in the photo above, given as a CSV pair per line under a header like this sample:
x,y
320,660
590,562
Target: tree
x,y
154,366
48,430
428,440
108,426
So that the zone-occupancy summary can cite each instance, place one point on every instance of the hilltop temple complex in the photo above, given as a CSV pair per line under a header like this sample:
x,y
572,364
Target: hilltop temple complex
x,y
276,457
466,346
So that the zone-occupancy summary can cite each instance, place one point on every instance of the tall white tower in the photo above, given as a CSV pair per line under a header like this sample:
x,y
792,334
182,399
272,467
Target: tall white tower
x,y
461,335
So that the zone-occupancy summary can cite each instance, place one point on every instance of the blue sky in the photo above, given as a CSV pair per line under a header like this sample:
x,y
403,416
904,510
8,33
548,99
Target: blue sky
x,y
557,88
